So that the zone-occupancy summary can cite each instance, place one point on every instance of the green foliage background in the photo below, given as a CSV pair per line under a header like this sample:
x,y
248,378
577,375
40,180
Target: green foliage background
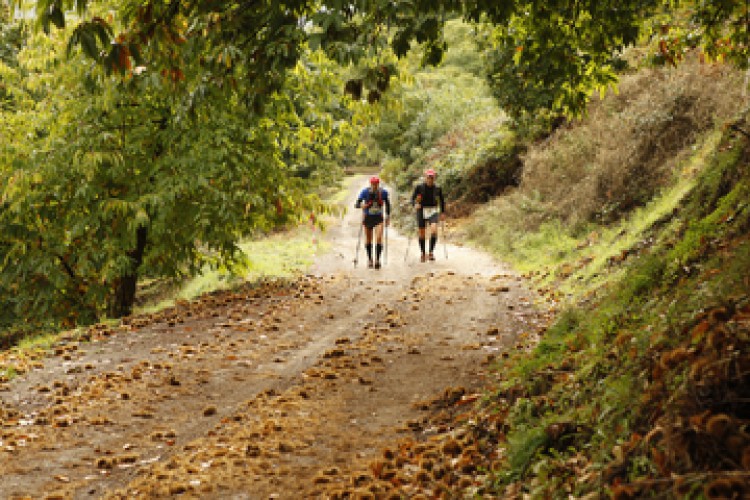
x,y
97,168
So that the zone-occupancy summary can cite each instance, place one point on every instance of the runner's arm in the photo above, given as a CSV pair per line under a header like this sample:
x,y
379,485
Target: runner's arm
x,y
441,200
414,195
360,199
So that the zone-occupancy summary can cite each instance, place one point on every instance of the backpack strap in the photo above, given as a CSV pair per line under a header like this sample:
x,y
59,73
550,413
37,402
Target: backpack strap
x,y
371,198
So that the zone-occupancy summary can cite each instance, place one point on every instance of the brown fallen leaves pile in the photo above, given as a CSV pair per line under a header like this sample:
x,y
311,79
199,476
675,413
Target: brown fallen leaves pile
x,y
697,412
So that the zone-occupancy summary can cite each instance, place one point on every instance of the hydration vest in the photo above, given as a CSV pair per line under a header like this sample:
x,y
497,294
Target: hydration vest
x,y
372,197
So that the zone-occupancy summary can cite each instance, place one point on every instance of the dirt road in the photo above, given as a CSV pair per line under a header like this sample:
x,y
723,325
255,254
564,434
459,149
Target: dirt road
x,y
272,391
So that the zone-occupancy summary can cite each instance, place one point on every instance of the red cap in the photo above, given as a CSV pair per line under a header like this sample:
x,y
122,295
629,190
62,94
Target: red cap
x,y
429,173
374,179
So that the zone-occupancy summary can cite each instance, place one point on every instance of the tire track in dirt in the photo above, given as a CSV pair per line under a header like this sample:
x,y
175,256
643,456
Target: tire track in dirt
x,y
280,390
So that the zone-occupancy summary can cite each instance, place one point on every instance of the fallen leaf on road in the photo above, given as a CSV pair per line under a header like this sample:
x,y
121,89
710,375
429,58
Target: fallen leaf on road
x,y
469,398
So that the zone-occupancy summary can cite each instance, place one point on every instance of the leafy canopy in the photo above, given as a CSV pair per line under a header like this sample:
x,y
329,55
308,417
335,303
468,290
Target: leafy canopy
x,y
108,177
541,55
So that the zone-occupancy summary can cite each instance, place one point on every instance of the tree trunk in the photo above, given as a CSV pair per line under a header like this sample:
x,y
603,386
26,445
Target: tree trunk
x,y
125,286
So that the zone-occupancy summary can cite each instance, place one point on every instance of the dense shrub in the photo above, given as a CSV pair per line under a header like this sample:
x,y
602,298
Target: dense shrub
x,y
629,145
625,151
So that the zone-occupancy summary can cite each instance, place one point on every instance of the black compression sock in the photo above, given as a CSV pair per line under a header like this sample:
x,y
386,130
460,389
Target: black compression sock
x,y
433,241
421,244
368,247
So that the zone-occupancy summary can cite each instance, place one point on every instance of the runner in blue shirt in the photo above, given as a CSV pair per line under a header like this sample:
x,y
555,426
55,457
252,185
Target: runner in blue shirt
x,y
373,200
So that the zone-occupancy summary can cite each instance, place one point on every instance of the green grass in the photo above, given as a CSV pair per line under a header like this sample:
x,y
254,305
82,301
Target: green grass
x,y
342,190
8,373
524,444
40,342
28,347
282,255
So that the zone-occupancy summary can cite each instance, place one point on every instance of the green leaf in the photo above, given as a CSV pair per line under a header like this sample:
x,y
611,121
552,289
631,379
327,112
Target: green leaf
x,y
57,17
88,44
401,42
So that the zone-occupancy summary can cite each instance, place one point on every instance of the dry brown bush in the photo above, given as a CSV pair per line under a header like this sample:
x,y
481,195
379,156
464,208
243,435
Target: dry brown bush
x,y
627,147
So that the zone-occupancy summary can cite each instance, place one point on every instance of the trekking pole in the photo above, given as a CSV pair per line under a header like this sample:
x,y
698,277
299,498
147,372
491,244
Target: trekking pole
x,y
359,240
445,242
385,255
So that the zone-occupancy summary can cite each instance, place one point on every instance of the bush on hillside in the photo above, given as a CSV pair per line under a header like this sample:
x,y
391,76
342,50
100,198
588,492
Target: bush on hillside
x,y
449,107
498,168
626,149
430,110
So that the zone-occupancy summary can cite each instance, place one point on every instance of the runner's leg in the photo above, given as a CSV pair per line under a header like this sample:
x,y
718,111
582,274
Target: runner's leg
x,y
379,245
433,238
368,244
421,234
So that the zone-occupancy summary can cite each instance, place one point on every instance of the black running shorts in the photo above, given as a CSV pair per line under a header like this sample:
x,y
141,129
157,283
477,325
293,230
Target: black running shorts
x,y
373,220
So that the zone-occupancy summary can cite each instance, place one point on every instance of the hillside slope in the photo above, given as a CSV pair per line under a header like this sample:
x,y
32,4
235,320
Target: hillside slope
x,y
645,384
636,220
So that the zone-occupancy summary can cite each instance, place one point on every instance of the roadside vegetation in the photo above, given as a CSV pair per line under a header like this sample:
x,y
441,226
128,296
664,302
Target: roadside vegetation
x,y
641,386
113,179
445,118
634,220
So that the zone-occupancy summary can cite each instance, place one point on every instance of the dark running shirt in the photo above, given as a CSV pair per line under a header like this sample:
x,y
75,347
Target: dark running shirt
x,y
432,196
374,201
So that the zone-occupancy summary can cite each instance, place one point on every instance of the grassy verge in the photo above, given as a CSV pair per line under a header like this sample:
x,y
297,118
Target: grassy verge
x,y
26,354
280,255
575,261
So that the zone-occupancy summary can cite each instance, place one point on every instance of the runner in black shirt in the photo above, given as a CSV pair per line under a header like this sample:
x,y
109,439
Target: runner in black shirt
x,y
429,203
